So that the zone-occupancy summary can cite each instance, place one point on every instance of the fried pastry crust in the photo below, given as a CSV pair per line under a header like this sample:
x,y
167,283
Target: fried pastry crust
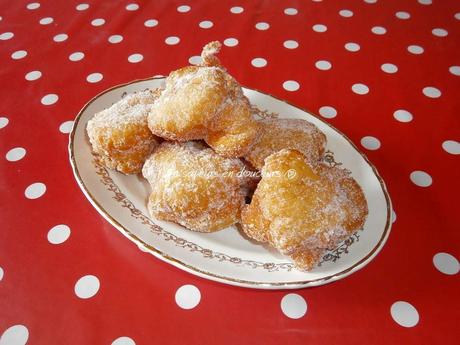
x,y
278,134
194,187
303,211
120,136
205,102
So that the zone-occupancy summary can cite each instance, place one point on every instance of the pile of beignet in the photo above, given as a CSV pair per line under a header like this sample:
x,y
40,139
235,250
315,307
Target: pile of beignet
x,y
211,164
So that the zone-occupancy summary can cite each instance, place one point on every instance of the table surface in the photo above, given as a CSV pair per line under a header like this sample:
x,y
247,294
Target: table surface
x,y
386,73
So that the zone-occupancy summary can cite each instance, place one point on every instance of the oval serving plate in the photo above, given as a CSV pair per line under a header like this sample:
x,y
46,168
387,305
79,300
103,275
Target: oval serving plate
x,y
226,256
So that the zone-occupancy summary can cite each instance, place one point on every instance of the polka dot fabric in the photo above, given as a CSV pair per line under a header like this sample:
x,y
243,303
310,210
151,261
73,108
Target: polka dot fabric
x,y
386,73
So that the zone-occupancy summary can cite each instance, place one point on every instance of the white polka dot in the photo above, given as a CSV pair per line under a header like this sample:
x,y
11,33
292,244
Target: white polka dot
x,y
94,77
403,115
290,44
150,23
33,6
34,75
3,122
451,146
98,22
195,60
389,68
87,286
114,39
19,54
328,112
35,190
457,16
123,341
259,62
77,56
6,36
404,314
319,28
455,70
291,11
183,9
15,154
231,42
431,92
393,216
58,234
46,21
60,38
291,85
379,30
414,49
293,306
132,7
66,127
188,296
135,58
262,26
370,143
446,263
402,15
370,1
421,178
49,99
323,65
237,9
172,40
439,32
360,89
346,13
352,47
82,7
206,24
424,2
1,274
15,335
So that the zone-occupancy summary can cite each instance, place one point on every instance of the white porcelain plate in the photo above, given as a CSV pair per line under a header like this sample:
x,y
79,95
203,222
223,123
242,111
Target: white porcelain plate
x,y
226,256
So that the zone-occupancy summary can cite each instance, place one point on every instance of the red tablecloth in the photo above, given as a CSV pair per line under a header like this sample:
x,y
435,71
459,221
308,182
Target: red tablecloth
x,y
386,73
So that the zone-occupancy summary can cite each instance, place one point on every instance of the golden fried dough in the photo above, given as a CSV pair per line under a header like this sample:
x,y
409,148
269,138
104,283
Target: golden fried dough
x,y
188,103
233,132
278,134
193,186
303,211
205,102
120,134
208,54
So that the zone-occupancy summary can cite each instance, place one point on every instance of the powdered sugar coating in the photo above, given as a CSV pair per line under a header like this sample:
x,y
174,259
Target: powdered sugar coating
x,y
205,102
193,186
209,52
302,214
120,135
278,134
191,98
234,131
133,109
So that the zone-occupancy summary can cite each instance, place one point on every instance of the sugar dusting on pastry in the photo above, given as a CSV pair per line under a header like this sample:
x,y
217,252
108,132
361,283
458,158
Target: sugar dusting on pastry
x,y
193,186
305,213
205,103
277,134
120,135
